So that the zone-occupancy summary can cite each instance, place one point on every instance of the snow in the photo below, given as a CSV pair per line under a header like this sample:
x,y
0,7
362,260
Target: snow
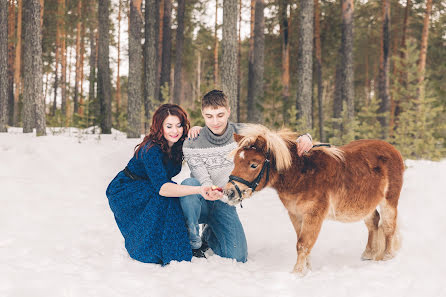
x,y
59,237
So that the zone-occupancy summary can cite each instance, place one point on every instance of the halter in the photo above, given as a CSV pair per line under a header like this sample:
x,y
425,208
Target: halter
x,y
253,185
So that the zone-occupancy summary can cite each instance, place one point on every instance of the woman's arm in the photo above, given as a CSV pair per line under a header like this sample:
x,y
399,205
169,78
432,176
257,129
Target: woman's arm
x,y
174,190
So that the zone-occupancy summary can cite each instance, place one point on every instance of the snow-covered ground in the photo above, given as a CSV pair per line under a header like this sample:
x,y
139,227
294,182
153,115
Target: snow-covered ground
x,y
58,236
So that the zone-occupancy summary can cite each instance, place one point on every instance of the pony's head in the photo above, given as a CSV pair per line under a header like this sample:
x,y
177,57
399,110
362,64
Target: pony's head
x,y
259,153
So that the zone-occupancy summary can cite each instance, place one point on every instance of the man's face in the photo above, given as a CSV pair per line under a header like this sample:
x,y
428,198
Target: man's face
x,y
216,118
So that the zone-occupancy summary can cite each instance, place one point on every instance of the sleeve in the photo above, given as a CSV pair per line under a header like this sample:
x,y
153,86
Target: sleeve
x,y
155,169
197,167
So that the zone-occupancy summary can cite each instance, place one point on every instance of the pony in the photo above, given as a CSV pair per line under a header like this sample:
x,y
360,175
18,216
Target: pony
x,y
345,184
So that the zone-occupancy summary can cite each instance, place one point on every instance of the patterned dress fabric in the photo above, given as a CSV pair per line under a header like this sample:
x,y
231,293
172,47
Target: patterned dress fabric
x,y
153,226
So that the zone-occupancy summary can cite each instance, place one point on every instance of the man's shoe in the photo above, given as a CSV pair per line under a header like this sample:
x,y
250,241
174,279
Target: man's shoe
x,y
204,246
198,253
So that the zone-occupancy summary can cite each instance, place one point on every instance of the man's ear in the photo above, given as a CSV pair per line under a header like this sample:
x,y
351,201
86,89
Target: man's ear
x,y
237,137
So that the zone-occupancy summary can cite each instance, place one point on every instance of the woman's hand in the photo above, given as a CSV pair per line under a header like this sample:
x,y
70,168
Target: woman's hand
x,y
210,194
304,144
194,132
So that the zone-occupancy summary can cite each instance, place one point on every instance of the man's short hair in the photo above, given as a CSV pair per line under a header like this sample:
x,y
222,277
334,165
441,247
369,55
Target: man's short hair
x,y
214,99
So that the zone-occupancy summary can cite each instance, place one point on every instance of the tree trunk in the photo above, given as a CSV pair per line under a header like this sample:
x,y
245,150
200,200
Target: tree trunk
x,y
150,58
347,57
135,70
78,58
317,44
198,93
423,51
18,62
254,113
305,63
11,52
118,77
179,53
63,56
81,90
284,31
216,46
250,98
384,69
104,83
239,59
229,55
167,45
3,65
33,101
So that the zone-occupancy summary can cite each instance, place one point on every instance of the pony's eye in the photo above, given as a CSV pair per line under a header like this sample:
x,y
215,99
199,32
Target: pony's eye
x,y
254,166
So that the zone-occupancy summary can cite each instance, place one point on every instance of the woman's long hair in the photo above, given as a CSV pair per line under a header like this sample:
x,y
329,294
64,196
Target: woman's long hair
x,y
156,131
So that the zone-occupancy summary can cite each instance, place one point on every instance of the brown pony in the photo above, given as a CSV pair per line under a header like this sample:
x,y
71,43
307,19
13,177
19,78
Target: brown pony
x,y
345,184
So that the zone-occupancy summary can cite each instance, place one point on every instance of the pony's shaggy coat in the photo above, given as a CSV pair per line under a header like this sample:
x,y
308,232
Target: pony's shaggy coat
x,y
345,184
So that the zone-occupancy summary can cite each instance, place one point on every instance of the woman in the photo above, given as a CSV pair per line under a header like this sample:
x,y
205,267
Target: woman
x,y
144,199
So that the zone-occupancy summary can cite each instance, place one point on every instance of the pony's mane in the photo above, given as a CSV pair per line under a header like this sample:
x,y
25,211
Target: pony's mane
x,y
278,144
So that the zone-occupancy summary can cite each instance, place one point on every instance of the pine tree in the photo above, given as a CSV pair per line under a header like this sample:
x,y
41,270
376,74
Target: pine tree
x,y
3,65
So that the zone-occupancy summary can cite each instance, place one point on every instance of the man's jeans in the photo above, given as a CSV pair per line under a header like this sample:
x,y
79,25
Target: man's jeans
x,y
223,231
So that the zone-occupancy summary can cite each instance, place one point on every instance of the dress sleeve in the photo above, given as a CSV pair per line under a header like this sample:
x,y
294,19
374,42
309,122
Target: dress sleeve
x,y
155,169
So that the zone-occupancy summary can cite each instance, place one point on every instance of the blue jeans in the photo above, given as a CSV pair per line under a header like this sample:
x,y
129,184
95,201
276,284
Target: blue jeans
x,y
223,231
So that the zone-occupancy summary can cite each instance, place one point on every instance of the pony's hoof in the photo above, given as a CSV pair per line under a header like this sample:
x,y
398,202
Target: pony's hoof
x,y
388,256
301,272
367,255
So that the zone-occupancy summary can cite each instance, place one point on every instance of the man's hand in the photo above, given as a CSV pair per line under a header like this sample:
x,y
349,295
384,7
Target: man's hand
x,y
210,194
194,132
304,144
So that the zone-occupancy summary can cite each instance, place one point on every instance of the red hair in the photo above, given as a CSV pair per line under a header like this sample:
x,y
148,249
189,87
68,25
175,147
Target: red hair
x,y
155,135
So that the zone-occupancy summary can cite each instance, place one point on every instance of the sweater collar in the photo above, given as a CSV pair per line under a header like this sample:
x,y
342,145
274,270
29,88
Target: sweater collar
x,y
219,139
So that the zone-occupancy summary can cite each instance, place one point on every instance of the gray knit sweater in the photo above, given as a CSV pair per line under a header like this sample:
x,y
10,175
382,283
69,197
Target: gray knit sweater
x,y
207,155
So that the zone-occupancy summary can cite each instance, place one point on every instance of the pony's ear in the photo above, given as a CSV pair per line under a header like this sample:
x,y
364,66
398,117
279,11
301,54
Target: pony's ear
x,y
237,137
260,143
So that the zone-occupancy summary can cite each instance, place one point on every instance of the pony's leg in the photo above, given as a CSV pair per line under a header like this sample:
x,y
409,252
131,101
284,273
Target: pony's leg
x,y
388,225
310,228
372,248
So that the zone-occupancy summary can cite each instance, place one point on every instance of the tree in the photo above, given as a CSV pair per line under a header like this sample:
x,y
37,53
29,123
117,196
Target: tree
x,y
229,54
383,82
78,58
423,51
305,63
118,75
104,83
216,45
3,65
318,55
33,101
250,99
179,52
347,56
18,62
255,113
150,57
167,46
11,58
284,31
135,71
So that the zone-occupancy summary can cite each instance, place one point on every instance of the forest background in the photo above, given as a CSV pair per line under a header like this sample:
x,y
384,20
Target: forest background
x,y
342,70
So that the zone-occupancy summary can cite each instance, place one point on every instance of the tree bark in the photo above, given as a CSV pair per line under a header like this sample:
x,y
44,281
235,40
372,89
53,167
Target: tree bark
x,y
104,83
254,113
423,50
250,98
239,59
63,50
317,44
229,55
384,66
167,46
216,46
11,57
33,101
347,57
150,58
78,57
3,65
178,87
135,70
18,62
305,63
118,76
284,32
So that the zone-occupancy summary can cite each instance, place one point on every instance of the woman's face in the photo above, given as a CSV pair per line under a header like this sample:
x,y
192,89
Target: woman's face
x,y
172,129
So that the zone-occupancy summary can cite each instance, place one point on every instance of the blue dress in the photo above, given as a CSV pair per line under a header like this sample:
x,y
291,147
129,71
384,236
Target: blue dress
x,y
153,226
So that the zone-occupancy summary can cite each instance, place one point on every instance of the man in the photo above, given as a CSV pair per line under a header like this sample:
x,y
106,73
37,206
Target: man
x,y
207,157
